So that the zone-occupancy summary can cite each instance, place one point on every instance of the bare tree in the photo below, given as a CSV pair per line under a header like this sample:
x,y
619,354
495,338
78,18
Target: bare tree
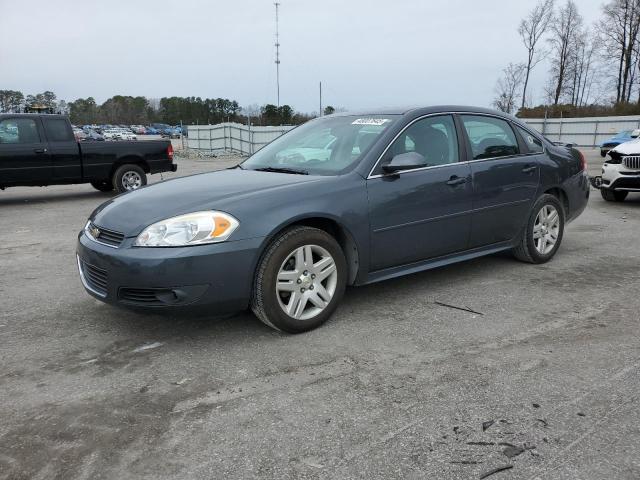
x,y
531,30
508,86
618,29
565,29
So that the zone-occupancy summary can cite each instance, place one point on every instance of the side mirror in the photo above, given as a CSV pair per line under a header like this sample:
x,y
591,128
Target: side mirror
x,y
405,161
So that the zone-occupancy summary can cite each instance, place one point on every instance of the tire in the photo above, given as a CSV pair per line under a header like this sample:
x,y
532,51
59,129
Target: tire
x,y
528,248
287,257
103,185
612,195
603,153
129,177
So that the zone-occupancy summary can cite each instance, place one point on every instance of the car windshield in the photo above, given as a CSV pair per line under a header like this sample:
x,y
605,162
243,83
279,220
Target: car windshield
x,y
324,146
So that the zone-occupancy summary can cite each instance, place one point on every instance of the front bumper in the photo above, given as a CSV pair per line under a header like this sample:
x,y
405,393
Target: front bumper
x,y
216,277
619,178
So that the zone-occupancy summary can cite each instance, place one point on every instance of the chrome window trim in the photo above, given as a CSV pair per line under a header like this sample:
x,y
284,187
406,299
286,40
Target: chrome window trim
x,y
375,165
92,238
85,284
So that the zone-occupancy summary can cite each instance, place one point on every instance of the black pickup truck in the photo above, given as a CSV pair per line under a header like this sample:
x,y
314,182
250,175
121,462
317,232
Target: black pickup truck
x,y
39,150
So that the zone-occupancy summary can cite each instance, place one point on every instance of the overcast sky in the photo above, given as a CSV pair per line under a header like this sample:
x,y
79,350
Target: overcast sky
x,y
366,52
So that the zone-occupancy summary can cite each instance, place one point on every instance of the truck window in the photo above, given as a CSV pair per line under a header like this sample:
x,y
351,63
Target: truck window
x,y
19,130
58,130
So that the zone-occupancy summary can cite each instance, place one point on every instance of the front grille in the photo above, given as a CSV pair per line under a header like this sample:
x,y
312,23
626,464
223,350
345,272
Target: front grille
x,y
632,162
95,277
140,296
102,235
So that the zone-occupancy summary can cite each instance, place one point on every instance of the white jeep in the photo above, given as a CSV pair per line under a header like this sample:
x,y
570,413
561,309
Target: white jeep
x,y
620,173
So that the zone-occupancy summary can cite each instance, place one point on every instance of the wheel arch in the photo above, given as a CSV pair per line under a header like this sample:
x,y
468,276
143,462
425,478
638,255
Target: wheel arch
x,y
561,195
129,159
334,228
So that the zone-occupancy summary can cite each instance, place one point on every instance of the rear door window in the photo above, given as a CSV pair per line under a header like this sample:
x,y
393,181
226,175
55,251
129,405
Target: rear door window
x,y
490,137
19,130
58,130
533,144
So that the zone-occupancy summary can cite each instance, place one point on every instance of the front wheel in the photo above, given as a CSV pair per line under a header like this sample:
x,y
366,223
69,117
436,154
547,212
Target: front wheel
x,y
300,280
612,195
543,233
128,178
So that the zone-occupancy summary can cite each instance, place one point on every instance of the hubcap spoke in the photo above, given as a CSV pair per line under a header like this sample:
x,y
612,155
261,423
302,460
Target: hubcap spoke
x,y
546,229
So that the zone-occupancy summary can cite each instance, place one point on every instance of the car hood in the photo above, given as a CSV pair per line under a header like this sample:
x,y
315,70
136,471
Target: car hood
x,y
132,212
628,148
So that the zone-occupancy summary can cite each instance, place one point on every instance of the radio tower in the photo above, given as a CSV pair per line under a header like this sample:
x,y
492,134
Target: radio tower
x,y
277,54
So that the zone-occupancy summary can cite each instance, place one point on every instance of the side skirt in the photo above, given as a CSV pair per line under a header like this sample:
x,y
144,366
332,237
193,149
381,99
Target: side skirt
x,y
393,272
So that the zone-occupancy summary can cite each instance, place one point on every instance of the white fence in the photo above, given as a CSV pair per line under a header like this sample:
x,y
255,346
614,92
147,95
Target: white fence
x,y
243,139
585,132
233,137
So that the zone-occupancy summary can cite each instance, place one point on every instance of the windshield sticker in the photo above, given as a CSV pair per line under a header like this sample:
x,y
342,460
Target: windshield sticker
x,y
370,121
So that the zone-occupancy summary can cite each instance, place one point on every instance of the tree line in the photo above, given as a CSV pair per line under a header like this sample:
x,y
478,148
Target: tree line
x,y
129,110
593,69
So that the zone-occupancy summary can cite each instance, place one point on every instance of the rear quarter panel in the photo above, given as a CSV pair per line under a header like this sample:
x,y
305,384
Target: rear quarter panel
x,y
100,159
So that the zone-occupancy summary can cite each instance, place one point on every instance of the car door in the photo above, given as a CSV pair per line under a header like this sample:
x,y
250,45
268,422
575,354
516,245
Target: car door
x,y
63,149
505,179
24,157
423,213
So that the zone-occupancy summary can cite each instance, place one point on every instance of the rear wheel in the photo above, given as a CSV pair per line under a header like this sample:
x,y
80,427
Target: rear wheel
x,y
612,195
542,236
300,280
103,185
128,178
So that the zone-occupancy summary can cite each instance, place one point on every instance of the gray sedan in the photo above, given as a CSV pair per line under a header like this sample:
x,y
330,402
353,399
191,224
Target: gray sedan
x,y
394,192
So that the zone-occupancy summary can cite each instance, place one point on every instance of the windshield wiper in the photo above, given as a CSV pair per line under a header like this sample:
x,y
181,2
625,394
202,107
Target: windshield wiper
x,y
295,171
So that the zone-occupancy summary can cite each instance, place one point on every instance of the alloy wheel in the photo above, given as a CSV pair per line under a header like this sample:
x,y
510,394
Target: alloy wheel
x,y
306,282
546,229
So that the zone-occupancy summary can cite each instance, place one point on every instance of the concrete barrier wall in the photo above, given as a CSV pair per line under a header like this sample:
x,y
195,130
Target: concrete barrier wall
x,y
585,132
243,139
233,137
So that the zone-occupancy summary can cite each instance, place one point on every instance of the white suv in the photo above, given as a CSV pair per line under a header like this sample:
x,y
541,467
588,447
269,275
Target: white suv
x,y
621,173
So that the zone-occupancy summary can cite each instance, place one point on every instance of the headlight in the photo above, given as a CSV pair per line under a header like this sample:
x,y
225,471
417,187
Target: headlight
x,y
191,229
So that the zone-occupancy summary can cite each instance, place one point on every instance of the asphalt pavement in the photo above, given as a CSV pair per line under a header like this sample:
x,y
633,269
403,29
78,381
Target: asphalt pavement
x,y
541,381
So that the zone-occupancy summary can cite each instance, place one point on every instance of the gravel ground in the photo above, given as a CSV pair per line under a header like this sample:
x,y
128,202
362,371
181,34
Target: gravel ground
x,y
544,380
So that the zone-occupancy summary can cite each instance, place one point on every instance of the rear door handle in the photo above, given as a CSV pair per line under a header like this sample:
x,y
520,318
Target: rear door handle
x,y
529,169
455,180
40,150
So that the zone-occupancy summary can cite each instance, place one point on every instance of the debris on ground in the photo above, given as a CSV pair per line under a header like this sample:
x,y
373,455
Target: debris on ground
x,y
464,309
486,425
496,470
181,382
147,346
511,450
580,414
481,443
535,405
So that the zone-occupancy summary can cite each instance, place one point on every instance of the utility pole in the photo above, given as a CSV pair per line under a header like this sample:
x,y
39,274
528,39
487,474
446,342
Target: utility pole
x,y
277,55
320,100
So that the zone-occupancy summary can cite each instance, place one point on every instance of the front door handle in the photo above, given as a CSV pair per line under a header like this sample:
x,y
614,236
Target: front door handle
x,y
529,169
455,180
40,150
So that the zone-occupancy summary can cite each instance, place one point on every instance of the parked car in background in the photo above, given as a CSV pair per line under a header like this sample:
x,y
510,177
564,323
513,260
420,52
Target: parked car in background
x,y
617,139
621,172
39,150
151,131
138,129
119,134
402,191
79,134
92,135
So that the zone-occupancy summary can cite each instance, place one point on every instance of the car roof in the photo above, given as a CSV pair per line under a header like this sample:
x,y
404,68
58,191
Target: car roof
x,y
425,110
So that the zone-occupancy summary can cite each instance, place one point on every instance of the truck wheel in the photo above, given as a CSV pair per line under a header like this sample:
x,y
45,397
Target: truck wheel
x,y
612,195
543,233
103,185
128,178
300,280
